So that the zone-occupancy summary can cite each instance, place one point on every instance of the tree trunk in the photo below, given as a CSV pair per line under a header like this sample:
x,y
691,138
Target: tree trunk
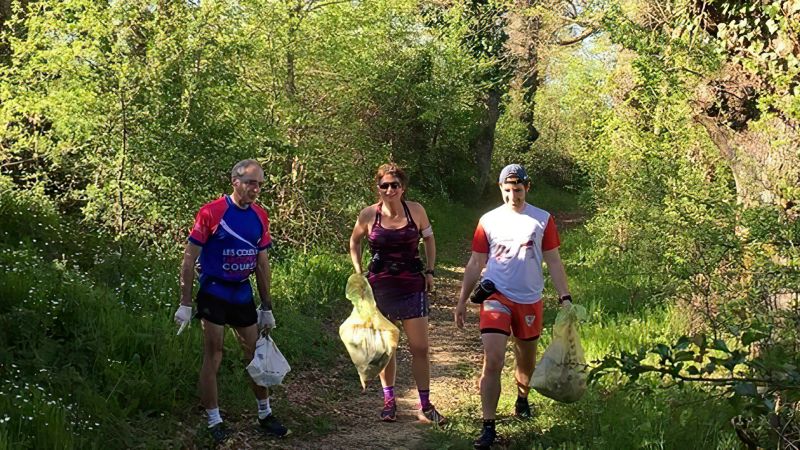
x,y
764,160
483,143
291,89
523,37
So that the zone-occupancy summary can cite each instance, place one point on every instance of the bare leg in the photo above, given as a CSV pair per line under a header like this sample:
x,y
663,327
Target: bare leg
x,y
494,352
212,356
389,373
525,355
417,334
247,337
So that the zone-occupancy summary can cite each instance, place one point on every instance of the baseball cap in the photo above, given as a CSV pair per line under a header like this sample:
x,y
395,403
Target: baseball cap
x,y
513,170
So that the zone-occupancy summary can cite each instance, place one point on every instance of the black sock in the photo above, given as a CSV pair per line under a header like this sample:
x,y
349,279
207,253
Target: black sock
x,y
521,399
488,423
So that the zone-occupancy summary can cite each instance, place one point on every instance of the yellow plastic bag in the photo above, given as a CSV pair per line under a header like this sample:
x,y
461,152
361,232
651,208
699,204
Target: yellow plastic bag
x,y
370,338
561,373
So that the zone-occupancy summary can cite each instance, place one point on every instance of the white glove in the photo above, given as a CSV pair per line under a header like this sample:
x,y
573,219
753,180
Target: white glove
x,y
566,304
182,317
265,319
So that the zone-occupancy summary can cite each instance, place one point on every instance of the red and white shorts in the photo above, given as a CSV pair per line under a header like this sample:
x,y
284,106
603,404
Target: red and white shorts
x,y
501,315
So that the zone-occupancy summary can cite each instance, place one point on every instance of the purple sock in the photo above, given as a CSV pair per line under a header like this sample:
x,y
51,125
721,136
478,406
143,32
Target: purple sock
x,y
388,394
424,398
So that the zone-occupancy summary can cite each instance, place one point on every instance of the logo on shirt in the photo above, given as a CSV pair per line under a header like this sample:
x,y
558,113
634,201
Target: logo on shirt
x,y
510,248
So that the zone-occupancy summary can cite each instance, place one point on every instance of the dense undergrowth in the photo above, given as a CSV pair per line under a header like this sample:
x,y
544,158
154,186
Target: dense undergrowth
x,y
89,356
88,352
628,309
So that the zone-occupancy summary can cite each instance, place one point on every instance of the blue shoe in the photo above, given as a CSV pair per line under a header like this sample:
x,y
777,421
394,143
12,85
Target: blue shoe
x,y
486,439
522,409
389,412
272,427
431,415
220,432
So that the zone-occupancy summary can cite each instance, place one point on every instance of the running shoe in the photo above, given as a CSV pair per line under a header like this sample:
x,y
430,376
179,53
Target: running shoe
x,y
486,439
272,427
430,414
522,409
389,412
220,432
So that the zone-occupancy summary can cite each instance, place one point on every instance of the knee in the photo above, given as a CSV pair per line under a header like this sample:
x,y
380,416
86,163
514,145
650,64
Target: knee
x,y
419,351
212,352
493,363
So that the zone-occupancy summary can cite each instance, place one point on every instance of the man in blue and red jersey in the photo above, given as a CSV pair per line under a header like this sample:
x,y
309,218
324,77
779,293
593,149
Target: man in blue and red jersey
x,y
511,242
231,237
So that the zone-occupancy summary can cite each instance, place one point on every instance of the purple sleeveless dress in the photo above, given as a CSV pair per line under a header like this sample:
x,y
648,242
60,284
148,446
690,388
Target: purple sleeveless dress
x,y
401,294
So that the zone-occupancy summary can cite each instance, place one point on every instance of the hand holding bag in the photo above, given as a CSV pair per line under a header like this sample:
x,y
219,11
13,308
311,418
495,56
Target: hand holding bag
x,y
561,373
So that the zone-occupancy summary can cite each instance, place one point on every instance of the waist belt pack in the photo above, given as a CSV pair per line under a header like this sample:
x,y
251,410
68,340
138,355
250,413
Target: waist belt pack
x,y
394,267
482,291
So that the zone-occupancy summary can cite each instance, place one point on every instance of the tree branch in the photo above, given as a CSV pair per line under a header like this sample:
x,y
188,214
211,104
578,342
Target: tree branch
x,y
313,6
576,39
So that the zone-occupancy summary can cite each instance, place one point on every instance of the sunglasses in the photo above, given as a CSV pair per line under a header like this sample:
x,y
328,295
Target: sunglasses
x,y
392,184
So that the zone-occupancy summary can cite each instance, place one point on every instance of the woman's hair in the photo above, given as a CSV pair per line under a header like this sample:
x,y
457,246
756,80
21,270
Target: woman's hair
x,y
395,171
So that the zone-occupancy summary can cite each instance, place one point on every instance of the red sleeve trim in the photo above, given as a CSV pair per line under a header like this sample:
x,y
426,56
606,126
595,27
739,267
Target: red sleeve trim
x,y
550,240
207,221
480,243
265,241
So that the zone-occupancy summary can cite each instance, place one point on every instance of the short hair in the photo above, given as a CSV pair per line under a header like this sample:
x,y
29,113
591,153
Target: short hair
x,y
394,170
241,166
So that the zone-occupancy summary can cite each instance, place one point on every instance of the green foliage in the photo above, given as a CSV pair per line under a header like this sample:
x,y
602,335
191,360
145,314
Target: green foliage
x,y
667,202
88,352
758,36
612,414
132,114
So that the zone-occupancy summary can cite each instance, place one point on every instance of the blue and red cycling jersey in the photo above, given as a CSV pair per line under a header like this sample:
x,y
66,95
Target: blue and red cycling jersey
x,y
231,238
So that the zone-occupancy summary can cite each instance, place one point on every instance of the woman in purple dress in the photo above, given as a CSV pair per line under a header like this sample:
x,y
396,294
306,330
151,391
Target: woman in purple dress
x,y
399,279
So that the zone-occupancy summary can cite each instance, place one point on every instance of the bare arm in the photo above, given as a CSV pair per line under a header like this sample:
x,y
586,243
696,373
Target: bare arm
x,y
421,219
190,254
360,230
430,252
263,279
471,274
557,272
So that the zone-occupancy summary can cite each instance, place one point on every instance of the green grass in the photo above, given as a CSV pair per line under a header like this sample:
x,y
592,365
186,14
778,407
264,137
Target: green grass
x,y
89,356
453,226
552,199
626,312
88,352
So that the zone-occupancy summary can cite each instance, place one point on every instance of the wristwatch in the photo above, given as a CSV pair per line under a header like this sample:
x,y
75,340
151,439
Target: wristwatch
x,y
564,298
429,272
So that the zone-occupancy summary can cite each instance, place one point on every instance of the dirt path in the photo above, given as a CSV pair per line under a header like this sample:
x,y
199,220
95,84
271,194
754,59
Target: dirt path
x,y
455,359
329,411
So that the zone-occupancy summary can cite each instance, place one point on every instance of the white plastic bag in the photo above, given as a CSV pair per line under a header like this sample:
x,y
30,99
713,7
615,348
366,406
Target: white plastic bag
x,y
561,373
268,366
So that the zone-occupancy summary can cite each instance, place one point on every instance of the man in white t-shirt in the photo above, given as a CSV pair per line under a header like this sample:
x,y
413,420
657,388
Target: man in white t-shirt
x,y
511,242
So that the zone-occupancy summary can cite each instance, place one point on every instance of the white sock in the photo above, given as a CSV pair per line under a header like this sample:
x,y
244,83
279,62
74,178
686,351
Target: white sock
x,y
263,408
213,417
